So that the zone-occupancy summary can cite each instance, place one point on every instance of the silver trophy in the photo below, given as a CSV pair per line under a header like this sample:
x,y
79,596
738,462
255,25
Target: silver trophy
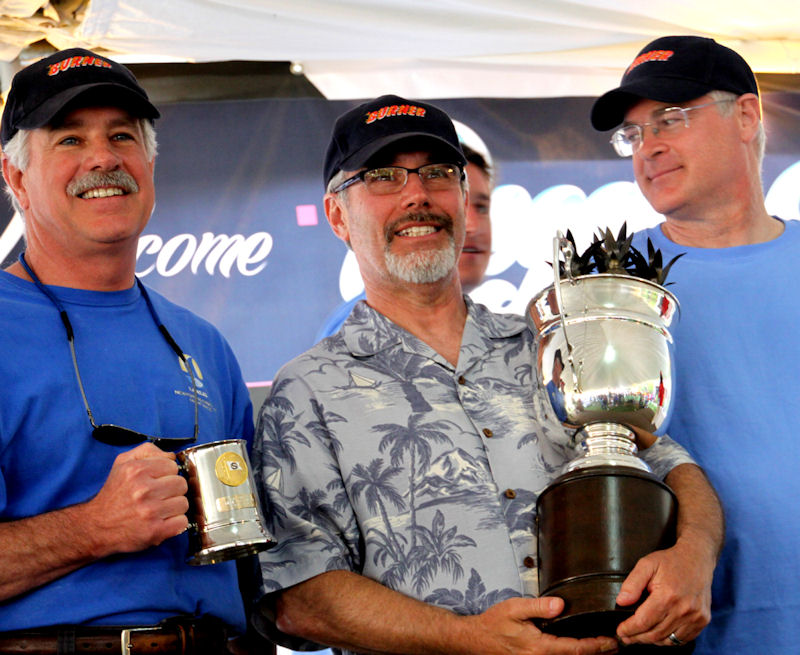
x,y
604,359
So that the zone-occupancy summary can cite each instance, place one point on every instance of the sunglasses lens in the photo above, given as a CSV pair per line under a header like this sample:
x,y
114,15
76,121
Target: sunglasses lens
x,y
114,435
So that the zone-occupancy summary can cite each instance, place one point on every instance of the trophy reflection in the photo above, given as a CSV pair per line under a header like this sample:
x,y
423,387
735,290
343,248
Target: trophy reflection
x,y
604,359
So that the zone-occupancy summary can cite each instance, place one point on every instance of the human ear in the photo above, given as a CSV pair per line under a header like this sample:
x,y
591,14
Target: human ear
x,y
748,113
336,213
14,178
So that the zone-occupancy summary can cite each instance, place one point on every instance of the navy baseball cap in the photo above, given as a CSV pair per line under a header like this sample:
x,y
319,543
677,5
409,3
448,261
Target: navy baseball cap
x,y
65,79
674,69
362,132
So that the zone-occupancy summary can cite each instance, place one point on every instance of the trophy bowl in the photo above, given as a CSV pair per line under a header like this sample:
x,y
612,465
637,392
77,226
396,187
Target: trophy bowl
x,y
604,359
607,358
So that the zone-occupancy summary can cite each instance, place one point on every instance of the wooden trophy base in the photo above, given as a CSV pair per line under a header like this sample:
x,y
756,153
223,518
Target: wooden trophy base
x,y
593,525
590,608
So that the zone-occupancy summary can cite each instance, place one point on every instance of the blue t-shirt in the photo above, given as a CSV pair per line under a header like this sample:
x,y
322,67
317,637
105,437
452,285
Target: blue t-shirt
x,y
737,410
49,460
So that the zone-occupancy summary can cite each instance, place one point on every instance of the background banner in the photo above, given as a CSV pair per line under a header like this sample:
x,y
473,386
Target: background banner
x,y
239,235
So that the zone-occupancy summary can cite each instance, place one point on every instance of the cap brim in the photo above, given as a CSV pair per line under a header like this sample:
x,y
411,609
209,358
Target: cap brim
x,y
112,94
361,157
609,109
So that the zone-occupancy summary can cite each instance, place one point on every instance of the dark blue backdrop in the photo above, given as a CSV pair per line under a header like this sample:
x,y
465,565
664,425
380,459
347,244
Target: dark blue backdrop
x,y
253,168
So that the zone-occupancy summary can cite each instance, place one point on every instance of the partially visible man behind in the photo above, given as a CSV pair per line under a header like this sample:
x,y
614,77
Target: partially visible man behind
x,y
402,457
92,543
477,250
691,118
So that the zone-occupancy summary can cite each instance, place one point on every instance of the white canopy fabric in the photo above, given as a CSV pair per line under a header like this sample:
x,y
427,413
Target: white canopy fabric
x,y
417,48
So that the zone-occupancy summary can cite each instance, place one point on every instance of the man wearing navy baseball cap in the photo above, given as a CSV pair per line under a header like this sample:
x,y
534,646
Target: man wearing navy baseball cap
x,y
688,112
96,390
674,69
76,76
402,456
364,131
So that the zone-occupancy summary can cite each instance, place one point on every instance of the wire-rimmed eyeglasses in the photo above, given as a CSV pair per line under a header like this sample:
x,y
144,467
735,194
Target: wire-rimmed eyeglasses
x,y
669,120
108,433
391,179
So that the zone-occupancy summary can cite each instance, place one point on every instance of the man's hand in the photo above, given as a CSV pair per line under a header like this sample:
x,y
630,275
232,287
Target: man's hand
x,y
677,579
509,627
679,600
142,503
347,610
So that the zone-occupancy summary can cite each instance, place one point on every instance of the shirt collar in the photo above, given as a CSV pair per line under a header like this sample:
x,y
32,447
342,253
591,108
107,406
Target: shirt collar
x,y
367,332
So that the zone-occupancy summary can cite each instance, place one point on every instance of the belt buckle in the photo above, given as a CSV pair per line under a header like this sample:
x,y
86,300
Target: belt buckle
x,y
125,638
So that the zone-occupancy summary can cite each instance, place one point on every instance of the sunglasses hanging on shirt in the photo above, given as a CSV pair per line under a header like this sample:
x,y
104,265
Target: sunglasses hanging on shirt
x,y
108,433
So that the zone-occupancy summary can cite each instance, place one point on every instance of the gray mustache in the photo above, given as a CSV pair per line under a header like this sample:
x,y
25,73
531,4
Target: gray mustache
x,y
95,179
420,217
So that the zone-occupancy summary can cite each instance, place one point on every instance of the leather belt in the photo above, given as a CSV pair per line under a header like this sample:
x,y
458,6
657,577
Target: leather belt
x,y
178,636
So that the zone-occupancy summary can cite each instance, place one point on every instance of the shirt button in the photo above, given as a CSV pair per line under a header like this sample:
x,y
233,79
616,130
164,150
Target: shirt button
x,y
488,432
462,379
529,562
510,493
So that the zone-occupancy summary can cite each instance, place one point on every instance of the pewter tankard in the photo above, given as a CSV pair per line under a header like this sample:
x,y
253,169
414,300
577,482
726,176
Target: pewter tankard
x,y
225,520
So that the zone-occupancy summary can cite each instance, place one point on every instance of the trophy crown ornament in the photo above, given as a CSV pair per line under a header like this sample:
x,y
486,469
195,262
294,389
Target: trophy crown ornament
x,y
615,255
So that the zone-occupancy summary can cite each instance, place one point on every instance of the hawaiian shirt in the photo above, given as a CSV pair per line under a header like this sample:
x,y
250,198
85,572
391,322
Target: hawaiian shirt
x,y
375,455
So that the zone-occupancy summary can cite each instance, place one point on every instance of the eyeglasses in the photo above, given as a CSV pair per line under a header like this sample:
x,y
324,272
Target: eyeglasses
x,y
391,179
628,138
108,433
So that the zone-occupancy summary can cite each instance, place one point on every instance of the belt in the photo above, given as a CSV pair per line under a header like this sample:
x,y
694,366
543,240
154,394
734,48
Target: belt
x,y
177,636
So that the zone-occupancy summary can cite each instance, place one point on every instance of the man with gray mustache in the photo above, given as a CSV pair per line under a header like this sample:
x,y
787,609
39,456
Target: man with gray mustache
x,y
401,457
97,393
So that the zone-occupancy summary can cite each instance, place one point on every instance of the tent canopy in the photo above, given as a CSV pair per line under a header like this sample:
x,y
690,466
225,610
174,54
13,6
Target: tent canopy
x,y
421,49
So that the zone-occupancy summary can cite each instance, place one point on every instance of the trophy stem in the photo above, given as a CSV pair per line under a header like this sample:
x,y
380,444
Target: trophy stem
x,y
607,444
